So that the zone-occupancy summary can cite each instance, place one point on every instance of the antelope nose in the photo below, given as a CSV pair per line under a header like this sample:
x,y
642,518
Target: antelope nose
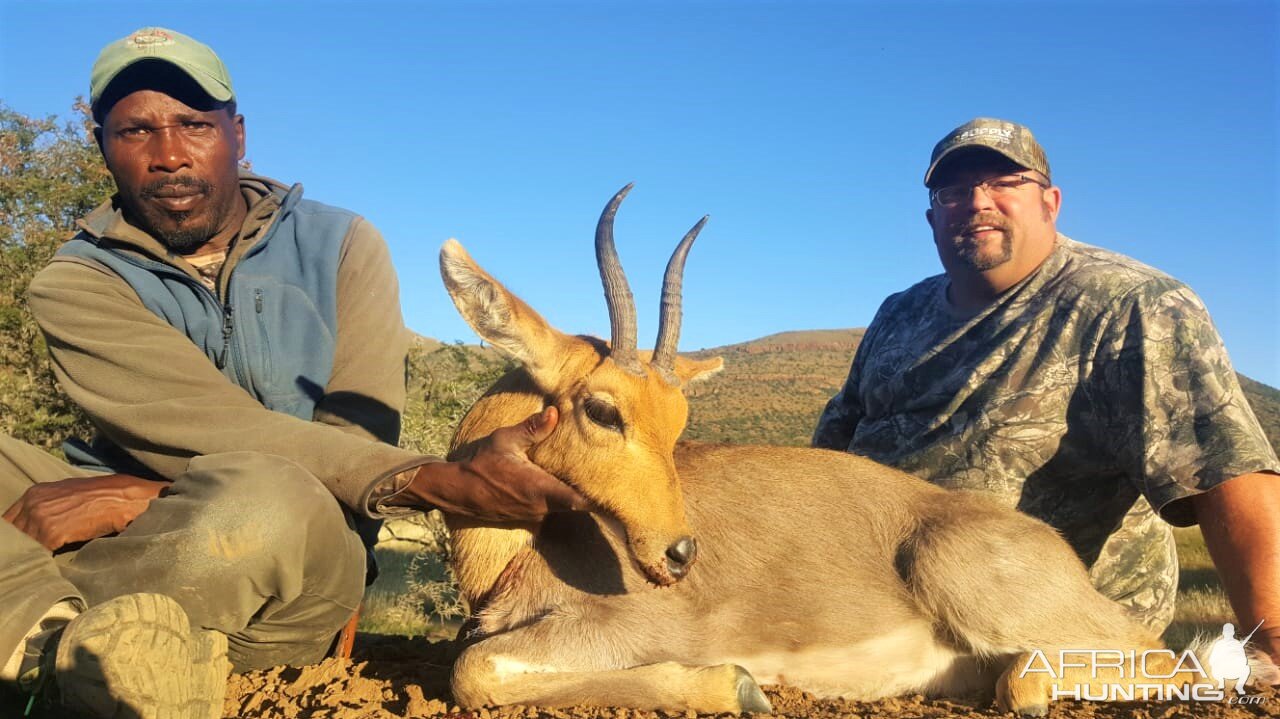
x,y
681,555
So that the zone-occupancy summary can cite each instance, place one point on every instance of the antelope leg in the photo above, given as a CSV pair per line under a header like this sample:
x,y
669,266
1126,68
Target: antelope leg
x,y
1033,681
520,668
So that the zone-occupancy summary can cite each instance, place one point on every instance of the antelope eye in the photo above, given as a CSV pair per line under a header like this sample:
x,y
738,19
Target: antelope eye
x,y
603,413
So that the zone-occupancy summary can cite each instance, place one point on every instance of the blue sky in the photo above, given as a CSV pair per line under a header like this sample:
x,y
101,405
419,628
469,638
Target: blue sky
x,y
802,128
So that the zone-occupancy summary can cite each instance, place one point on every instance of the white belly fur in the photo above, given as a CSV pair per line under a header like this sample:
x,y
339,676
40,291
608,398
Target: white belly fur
x,y
906,661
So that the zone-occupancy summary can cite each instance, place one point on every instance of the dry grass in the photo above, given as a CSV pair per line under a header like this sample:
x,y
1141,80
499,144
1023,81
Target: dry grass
x,y
415,595
1202,606
384,611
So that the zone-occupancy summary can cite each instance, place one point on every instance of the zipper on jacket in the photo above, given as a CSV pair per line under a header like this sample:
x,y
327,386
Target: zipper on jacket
x,y
231,350
228,325
228,317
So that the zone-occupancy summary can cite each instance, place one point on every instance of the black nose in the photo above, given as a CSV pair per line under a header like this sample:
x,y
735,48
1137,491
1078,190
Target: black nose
x,y
680,555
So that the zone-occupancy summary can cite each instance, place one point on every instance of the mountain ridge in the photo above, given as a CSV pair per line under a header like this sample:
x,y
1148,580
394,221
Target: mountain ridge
x,y
774,387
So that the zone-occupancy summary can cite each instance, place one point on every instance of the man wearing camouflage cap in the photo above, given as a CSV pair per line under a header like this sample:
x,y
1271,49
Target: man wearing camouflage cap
x,y
241,352
1083,387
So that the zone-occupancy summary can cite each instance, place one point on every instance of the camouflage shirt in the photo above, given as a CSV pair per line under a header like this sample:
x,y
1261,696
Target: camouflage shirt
x,y
1090,392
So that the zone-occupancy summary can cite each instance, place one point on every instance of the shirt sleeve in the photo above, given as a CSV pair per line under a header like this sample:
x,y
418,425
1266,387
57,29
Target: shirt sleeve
x,y
1170,409
365,395
366,391
150,390
839,419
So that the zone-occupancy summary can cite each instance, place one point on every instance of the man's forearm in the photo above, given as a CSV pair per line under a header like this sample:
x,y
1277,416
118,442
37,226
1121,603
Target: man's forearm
x,y
1240,520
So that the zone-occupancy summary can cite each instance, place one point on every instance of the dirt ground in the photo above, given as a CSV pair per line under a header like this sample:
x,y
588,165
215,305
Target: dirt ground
x,y
394,678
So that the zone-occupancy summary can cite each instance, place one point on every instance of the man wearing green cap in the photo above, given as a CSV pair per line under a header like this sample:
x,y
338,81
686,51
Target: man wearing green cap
x,y
241,352
1082,387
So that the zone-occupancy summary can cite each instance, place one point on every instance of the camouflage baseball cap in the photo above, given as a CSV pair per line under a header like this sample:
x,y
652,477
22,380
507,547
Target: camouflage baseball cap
x,y
192,57
1010,139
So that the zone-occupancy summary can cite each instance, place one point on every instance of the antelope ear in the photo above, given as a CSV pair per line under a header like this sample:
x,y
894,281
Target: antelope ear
x,y
691,370
499,317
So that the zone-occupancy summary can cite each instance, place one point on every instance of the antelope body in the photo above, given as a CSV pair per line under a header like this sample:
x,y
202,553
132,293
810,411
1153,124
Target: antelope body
x,y
708,568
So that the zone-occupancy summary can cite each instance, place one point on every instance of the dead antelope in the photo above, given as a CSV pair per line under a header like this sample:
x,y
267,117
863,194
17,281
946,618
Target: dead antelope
x,y
816,569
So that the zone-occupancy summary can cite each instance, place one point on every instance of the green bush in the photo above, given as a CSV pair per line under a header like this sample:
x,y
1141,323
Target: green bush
x,y
51,174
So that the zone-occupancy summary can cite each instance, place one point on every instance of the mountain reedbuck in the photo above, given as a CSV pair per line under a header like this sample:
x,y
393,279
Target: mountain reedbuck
x,y
814,568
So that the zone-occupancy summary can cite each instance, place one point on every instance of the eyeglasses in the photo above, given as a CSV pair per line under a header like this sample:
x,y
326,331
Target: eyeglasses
x,y
997,187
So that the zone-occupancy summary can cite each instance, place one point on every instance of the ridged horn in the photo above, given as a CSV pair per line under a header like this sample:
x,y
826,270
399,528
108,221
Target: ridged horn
x,y
617,293
664,352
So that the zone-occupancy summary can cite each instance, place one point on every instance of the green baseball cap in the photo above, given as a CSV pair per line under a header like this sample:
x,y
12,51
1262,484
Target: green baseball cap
x,y
1010,139
192,57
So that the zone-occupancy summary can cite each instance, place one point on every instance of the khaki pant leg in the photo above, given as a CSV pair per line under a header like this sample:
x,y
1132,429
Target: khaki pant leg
x,y
251,545
29,579
29,585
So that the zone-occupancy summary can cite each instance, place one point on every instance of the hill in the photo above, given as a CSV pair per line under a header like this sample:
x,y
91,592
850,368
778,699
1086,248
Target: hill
x,y
773,388
1266,404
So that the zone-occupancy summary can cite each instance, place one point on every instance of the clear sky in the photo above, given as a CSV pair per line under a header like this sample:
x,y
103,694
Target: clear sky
x,y
802,128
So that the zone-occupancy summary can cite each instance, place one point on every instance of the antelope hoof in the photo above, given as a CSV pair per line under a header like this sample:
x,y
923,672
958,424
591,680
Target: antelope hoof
x,y
750,698
1006,703
1026,696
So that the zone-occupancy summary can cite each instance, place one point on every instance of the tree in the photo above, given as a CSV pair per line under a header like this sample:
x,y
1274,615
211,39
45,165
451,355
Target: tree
x,y
51,174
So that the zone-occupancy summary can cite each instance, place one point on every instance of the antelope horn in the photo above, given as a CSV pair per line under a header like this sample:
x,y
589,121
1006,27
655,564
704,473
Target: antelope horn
x,y
622,306
664,352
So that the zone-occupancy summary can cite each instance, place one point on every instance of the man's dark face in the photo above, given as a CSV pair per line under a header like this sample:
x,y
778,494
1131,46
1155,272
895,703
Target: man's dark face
x,y
176,167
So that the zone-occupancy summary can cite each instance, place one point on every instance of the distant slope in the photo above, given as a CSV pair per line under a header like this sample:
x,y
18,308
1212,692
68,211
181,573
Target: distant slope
x,y
427,344
802,339
1266,404
773,388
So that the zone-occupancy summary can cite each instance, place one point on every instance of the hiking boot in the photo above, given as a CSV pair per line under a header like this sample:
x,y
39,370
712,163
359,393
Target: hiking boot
x,y
210,668
132,657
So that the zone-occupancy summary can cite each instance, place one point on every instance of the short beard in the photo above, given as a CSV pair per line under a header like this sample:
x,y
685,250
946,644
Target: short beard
x,y
185,240
970,253
971,256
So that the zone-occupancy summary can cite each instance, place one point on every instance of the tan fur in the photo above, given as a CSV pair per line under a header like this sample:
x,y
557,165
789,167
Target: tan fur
x,y
815,568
